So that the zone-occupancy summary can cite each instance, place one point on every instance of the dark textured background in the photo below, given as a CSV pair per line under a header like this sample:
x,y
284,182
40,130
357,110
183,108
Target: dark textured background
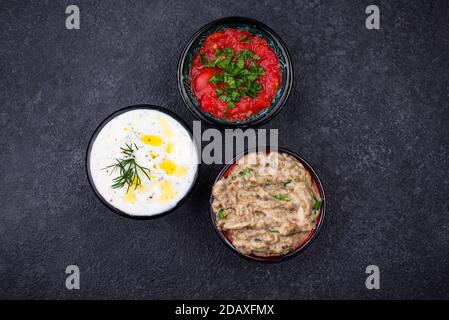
x,y
368,109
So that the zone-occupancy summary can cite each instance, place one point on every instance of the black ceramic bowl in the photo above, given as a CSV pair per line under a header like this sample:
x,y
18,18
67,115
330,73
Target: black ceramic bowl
x,y
94,136
301,246
256,28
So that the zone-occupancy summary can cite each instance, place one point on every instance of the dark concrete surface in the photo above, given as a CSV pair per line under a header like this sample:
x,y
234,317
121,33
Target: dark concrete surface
x,y
369,110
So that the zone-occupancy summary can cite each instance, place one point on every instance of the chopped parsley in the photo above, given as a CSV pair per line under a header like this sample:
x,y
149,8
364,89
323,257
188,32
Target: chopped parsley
x,y
272,230
245,39
245,172
316,204
239,75
203,58
286,182
281,197
220,214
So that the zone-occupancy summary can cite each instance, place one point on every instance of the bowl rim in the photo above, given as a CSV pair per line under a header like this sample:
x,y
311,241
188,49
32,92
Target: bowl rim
x,y
311,237
275,109
93,138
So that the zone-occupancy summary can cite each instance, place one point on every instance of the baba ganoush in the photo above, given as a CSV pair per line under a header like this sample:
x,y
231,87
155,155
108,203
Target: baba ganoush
x,y
267,205
143,162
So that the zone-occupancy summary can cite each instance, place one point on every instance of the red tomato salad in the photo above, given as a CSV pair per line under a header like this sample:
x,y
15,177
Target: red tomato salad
x,y
235,75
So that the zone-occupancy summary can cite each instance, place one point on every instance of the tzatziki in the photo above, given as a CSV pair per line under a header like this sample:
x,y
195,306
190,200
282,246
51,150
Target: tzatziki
x,y
143,162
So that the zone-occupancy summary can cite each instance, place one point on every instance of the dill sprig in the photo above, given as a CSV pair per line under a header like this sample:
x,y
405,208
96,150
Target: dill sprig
x,y
128,169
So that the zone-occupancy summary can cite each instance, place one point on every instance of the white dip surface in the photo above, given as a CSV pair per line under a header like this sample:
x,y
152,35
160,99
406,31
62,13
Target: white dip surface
x,y
162,145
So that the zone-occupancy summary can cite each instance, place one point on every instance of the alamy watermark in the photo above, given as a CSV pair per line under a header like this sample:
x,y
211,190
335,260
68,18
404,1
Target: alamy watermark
x,y
373,20
73,20
218,147
72,282
373,280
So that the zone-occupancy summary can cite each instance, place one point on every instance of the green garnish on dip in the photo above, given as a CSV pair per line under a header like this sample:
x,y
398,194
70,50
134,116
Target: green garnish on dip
x,y
246,171
281,197
286,182
220,214
272,230
203,58
129,170
239,75
316,204
245,39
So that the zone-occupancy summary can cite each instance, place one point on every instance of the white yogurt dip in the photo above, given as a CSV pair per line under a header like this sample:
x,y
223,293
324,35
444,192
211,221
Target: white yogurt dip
x,y
160,144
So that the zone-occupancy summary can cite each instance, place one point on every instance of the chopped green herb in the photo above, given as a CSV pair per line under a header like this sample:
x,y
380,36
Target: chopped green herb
x,y
203,58
244,39
272,230
238,77
240,63
316,203
281,197
216,78
231,104
257,239
246,171
220,214
224,98
286,182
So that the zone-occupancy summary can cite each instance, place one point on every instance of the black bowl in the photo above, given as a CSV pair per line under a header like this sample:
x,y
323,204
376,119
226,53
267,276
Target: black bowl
x,y
94,136
302,246
256,28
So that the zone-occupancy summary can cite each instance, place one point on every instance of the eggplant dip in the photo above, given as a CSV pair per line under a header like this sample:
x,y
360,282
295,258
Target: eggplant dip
x,y
267,205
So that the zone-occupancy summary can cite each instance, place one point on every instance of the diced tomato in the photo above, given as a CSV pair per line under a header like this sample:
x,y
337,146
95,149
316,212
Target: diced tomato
x,y
260,102
201,84
272,81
